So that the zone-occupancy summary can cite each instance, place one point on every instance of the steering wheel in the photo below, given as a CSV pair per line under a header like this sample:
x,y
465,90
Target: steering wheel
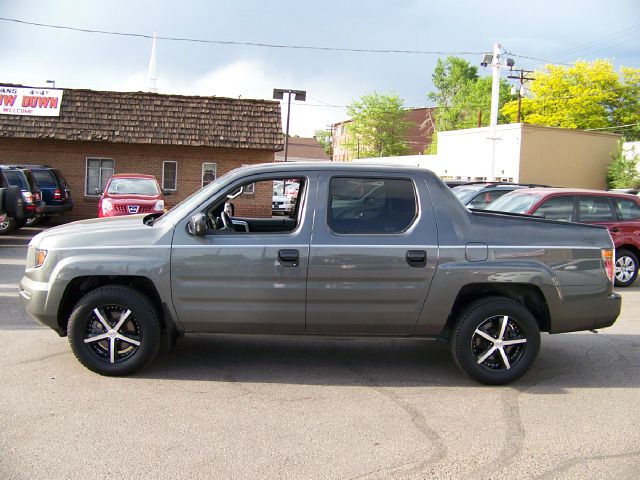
x,y
226,221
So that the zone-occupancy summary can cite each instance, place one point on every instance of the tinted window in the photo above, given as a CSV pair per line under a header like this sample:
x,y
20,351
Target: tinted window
x,y
14,177
627,209
45,178
595,209
483,199
557,208
371,205
515,202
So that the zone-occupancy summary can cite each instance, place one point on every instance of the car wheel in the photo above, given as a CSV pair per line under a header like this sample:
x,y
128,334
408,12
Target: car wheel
x,y
114,330
495,340
626,270
7,226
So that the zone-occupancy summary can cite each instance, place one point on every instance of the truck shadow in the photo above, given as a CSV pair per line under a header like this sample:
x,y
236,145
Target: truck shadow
x,y
565,362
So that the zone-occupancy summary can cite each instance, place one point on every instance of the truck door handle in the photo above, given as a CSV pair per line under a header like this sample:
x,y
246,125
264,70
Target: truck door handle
x,y
417,258
289,257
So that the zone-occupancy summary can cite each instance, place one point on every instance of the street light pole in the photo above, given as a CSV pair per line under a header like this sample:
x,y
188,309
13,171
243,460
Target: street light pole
x,y
278,94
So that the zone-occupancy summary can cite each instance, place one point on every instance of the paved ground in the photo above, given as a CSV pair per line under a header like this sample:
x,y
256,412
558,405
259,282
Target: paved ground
x,y
224,407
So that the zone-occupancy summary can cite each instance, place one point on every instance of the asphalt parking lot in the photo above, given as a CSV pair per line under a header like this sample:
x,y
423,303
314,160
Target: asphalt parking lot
x,y
253,408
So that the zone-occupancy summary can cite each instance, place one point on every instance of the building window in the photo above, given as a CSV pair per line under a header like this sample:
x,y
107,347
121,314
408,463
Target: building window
x,y
251,188
98,171
209,173
170,175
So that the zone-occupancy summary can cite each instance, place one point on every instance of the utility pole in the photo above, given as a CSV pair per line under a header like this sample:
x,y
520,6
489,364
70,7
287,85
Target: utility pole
x,y
523,77
278,94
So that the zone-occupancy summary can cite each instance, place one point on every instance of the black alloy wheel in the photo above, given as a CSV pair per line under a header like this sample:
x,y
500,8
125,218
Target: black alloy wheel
x,y
114,330
495,340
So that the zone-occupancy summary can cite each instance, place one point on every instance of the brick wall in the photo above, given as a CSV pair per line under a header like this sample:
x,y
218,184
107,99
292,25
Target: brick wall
x,y
70,158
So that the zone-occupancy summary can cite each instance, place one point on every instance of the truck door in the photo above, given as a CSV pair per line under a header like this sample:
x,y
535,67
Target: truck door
x,y
249,277
373,254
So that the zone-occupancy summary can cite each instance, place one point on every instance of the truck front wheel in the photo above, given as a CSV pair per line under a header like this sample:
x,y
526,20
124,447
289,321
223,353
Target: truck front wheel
x,y
114,330
495,340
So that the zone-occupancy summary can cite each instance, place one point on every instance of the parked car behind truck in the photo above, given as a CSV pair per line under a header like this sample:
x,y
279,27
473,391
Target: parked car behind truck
x,y
413,263
618,212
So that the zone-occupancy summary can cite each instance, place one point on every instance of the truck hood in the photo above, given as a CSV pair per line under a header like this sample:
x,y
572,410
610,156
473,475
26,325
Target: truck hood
x,y
124,231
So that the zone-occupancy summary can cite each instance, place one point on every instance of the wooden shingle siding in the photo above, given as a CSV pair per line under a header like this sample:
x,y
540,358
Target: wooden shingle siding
x,y
150,118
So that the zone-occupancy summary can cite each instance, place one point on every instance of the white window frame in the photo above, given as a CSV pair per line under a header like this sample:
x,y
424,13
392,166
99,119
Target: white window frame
x,y
251,188
175,178
215,172
86,173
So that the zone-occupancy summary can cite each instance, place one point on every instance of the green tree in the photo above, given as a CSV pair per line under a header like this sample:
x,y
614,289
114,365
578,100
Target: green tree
x,y
461,93
582,96
623,170
378,127
324,138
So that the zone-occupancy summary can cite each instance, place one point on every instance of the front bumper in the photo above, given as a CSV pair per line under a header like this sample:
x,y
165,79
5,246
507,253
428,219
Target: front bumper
x,y
35,297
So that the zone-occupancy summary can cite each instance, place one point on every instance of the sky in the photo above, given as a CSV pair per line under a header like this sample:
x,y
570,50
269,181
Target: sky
x,y
547,31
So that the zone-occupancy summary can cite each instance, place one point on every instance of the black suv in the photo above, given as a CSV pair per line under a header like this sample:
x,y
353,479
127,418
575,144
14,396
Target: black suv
x,y
54,189
479,195
22,178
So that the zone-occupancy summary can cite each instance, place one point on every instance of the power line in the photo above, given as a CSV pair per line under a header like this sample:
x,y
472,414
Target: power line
x,y
237,43
591,44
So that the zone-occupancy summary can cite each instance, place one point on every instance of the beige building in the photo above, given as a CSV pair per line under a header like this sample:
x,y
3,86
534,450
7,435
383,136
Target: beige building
x,y
520,152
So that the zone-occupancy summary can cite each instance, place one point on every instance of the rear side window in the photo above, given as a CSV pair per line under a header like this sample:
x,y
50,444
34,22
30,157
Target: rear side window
x,y
557,208
627,209
371,205
45,178
14,177
595,209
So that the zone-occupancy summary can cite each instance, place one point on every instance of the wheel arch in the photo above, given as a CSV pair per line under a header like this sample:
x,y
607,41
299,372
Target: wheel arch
x,y
530,296
80,286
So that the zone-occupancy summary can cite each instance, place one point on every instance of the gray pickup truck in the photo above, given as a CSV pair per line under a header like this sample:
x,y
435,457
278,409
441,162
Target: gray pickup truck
x,y
367,251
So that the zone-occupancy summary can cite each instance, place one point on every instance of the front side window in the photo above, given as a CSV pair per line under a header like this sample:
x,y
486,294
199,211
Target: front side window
x,y
98,172
170,175
209,173
595,209
371,205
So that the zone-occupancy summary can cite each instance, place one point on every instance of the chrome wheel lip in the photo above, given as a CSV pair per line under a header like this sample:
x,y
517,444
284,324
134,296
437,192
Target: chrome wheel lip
x,y
108,338
498,343
624,269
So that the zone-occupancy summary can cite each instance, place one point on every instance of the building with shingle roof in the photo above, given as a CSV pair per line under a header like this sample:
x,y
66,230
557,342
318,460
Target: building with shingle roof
x,y
183,140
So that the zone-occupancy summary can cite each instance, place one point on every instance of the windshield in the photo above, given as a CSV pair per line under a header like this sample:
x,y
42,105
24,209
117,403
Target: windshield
x,y
515,202
133,186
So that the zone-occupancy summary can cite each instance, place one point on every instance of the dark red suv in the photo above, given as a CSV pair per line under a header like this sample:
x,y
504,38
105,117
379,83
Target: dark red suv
x,y
619,212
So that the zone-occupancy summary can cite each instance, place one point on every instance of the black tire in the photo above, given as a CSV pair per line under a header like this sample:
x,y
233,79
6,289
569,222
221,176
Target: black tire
x,y
626,268
112,355
2,193
483,319
13,203
7,226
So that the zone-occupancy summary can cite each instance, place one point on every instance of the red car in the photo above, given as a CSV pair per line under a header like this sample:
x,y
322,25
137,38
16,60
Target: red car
x,y
619,212
130,194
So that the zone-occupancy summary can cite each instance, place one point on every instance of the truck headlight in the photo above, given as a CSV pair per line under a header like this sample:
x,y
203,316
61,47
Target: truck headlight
x,y
41,255
159,206
107,206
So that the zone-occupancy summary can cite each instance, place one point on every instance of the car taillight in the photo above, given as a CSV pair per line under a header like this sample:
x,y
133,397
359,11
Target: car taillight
x,y
37,196
28,197
57,195
608,258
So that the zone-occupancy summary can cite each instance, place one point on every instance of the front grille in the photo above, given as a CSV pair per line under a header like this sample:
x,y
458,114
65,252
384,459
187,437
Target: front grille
x,y
125,208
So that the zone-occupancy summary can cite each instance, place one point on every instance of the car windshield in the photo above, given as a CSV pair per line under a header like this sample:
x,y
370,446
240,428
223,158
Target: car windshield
x,y
133,186
515,202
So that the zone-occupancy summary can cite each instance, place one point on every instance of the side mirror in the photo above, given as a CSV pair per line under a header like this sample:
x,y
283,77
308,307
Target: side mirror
x,y
166,193
197,225
99,191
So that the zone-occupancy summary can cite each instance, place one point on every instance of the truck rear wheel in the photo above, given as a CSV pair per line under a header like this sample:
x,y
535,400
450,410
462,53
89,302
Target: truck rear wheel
x,y
495,340
114,330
